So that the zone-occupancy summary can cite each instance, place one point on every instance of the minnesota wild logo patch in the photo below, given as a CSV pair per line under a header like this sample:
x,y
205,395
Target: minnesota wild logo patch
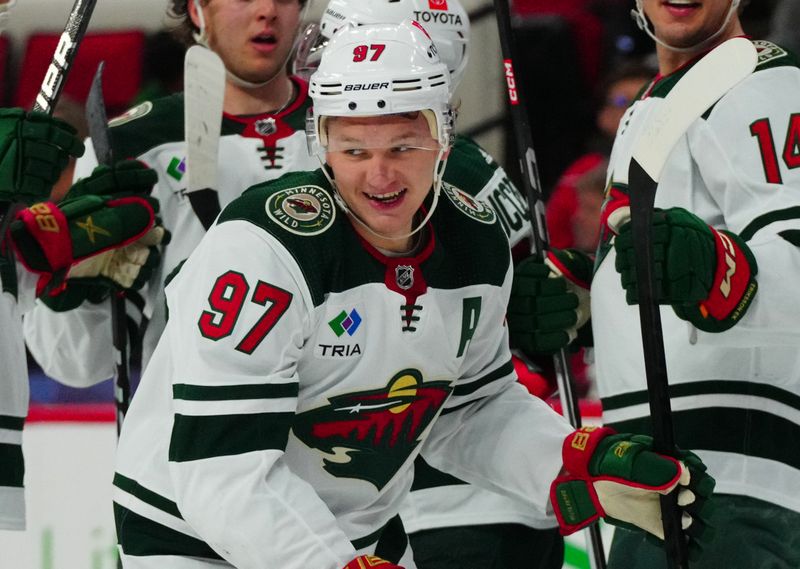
x,y
306,210
467,204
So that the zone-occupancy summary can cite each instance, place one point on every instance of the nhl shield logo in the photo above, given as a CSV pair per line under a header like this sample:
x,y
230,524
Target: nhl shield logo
x,y
265,127
404,276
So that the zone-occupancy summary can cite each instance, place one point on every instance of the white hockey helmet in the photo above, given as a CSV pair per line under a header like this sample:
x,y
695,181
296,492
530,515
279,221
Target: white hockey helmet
x,y
380,69
445,20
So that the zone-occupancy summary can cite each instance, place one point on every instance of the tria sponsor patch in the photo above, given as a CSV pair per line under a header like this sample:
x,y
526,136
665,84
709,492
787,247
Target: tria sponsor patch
x,y
306,210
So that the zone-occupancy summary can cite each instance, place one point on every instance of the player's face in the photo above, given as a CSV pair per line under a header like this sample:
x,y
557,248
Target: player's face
x,y
383,167
686,23
252,37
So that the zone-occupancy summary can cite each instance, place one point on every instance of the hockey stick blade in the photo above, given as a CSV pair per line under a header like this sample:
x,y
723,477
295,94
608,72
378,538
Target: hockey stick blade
x,y
204,91
101,141
700,88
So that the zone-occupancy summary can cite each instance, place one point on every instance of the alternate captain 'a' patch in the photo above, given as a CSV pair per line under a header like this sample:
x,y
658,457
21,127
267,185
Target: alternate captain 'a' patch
x,y
306,210
467,204
132,114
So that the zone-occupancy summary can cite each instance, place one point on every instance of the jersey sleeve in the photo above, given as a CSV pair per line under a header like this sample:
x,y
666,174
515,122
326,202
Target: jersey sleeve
x,y
748,155
491,432
238,317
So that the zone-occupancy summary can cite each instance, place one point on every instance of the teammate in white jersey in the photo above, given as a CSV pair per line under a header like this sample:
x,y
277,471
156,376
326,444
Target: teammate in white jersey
x,y
451,523
727,221
262,138
334,324
47,248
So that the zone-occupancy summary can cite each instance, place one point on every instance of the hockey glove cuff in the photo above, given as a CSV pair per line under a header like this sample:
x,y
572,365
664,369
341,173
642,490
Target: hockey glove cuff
x,y
620,478
89,236
34,149
368,561
708,276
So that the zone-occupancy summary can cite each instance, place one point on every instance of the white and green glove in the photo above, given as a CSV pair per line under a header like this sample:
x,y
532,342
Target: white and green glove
x,y
620,478
92,242
708,276
549,301
34,149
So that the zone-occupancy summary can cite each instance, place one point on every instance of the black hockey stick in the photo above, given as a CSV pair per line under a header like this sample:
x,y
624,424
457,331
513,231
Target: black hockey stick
x,y
702,86
540,241
56,76
101,141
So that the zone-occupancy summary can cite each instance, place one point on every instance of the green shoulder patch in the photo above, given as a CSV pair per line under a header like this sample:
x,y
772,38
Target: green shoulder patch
x,y
303,210
468,205
132,114
768,51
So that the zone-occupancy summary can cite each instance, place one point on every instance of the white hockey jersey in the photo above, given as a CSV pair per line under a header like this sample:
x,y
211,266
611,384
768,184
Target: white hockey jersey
x,y
75,347
301,372
736,394
17,288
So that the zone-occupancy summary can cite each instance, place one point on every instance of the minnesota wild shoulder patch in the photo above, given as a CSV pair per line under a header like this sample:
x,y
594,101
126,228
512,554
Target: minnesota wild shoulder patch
x,y
305,210
468,205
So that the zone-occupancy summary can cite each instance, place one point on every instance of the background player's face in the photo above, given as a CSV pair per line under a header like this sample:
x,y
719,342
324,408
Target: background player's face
x,y
383,167
253,37
685,23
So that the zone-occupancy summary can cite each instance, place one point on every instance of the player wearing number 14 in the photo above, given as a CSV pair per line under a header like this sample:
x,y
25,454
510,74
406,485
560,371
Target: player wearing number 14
x,y
726,233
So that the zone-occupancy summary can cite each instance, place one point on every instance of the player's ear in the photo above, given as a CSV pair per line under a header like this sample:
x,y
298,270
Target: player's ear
x,y
193,8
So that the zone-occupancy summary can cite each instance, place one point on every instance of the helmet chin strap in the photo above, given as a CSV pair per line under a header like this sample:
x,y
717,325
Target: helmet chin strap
x,y
438,175
641,21
201,37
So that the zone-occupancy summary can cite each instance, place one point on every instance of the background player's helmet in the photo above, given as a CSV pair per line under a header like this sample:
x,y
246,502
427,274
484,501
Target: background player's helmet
x,y
380,69
445,20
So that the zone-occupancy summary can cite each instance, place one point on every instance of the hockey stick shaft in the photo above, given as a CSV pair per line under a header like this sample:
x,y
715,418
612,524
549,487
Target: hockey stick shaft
x,y
101,141
700,88
56,76
540,241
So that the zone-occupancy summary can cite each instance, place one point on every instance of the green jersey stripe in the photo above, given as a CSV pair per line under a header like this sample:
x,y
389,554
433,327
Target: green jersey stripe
x,y
147,496
727,429
710,387
13,468
475,385
11,423
142,537
198,437
229,392
762,221
462,405
426,476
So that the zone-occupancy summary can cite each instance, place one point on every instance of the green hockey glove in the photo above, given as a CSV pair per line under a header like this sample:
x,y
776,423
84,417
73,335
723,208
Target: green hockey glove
x,y
108,238
618,477
34,149
549,301
708,276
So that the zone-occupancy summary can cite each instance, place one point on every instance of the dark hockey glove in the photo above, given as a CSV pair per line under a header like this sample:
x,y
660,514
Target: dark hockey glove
x,y
618,477
34,149
95,239
708,276
368,561
549,301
